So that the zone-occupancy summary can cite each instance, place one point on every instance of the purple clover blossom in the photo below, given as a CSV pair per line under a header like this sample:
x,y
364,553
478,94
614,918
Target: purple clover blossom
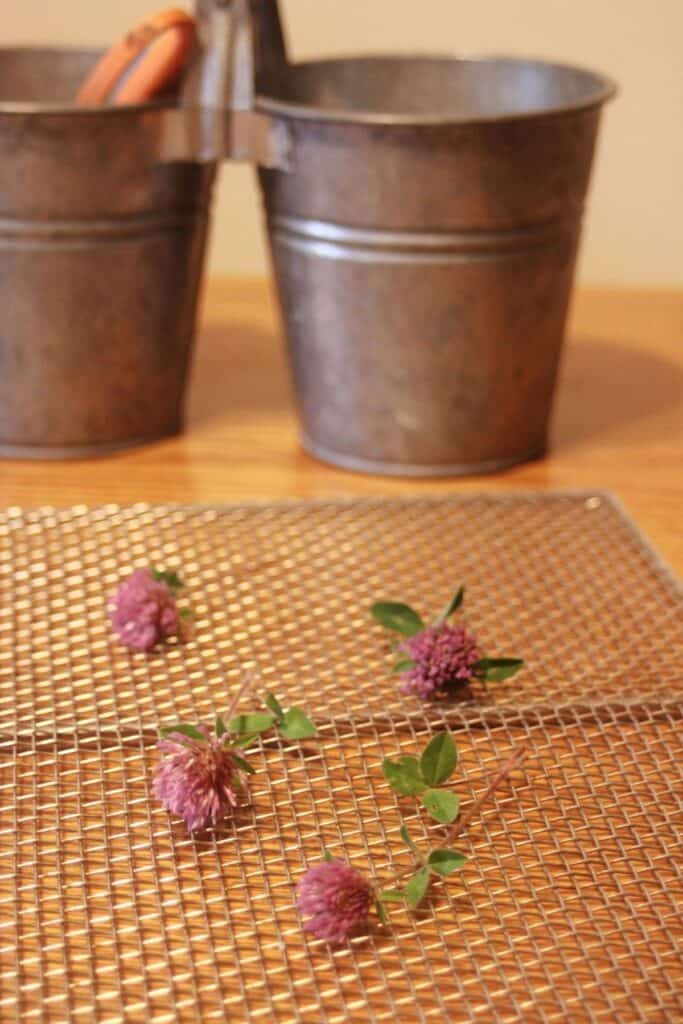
x,y
336,899
443,655
143,611
199,780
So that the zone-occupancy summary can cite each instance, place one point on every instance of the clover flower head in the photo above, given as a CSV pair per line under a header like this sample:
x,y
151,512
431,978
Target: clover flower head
x,y
143,611
442,655
336,900
200,780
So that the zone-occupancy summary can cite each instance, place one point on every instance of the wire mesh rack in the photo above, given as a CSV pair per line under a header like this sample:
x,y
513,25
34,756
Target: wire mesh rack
x,y
569,907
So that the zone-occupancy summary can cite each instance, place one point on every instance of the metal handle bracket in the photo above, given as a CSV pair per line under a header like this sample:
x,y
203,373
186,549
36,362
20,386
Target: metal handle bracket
x,y
217,119
208,135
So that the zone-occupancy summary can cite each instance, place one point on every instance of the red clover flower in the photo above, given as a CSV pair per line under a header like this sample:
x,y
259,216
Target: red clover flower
x,y
202,774
335,899
199,778
434,658
441,655
143,610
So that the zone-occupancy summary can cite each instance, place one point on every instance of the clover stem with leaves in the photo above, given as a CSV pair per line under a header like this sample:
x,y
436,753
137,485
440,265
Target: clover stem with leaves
x,y
335,899
442,861
463,822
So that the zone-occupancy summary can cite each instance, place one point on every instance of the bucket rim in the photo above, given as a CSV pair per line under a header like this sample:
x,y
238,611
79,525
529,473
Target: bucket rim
x,y
605,89
61,107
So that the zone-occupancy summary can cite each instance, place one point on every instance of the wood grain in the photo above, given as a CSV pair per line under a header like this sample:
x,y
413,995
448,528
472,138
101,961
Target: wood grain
x,y
618,421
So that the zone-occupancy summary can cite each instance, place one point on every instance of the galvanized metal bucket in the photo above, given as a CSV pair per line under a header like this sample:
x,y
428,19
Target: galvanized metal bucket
x,y
101,251
424,239
103,225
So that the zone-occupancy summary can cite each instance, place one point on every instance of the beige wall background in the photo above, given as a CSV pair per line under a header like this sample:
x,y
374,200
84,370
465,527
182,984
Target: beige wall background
x,y
635,216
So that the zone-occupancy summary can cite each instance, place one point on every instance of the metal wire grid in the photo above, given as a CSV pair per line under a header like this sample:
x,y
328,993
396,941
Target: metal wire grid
x,y
568,907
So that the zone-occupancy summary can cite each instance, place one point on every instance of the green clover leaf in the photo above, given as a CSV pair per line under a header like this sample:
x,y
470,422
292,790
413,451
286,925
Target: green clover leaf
x,y
438,761
258,722
416,889
445,862
452,606
404,776
442,805
496,670
400,618
185,730
403,666
295,725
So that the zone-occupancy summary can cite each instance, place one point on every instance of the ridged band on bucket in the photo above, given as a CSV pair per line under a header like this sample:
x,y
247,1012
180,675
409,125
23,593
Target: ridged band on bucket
x,y
86,234
339,242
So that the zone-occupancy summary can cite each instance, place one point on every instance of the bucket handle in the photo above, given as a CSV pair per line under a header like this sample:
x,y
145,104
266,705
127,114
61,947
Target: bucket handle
x,y
217,117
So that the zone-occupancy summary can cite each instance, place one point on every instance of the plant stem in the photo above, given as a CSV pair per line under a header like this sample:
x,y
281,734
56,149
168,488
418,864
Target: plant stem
x,y
497,781
248,683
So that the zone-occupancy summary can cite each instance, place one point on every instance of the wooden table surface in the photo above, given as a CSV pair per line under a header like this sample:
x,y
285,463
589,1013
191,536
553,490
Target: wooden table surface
x,y
581,918
618,422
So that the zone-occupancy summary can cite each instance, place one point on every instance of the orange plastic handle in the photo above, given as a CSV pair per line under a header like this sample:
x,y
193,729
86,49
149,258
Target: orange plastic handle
x,y
165,39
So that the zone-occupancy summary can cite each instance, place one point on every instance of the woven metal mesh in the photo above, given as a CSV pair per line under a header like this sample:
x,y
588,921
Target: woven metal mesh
x,y
567,909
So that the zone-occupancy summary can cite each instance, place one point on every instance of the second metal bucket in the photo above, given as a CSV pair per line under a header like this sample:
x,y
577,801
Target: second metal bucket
x,y
101,252
104,214
424,241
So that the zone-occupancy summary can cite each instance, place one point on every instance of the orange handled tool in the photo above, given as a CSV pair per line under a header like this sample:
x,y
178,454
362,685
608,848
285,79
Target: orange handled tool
x,y
143,63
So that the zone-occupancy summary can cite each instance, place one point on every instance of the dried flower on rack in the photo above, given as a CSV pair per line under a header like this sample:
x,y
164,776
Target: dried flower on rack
x,y
143,611
335,900
435,659
199,778
438,656
202,775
